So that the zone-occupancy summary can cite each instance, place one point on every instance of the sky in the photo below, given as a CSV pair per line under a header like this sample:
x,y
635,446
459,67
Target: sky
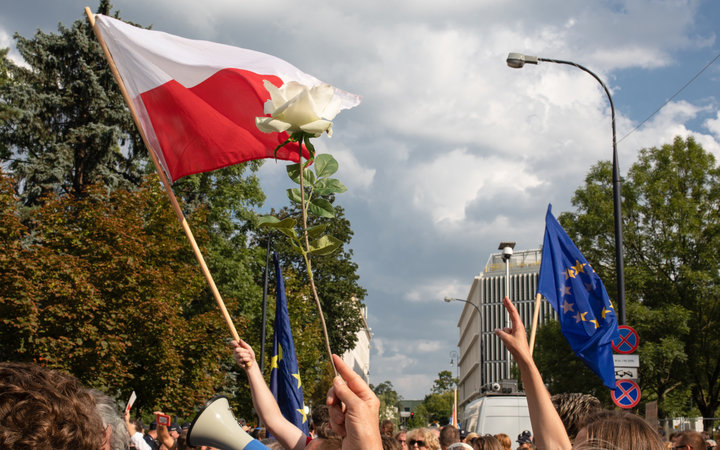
x,y
451,151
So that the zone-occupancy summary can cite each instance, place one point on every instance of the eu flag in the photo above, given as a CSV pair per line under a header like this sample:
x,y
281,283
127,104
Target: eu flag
x,y
575,291
285,375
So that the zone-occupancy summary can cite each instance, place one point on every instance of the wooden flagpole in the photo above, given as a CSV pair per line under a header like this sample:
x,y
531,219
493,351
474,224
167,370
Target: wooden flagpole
x,y
164,179
536,314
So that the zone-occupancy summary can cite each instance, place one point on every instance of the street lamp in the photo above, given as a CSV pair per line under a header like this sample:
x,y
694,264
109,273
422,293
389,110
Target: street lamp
x,y
479,335
454,357
517,61
507,252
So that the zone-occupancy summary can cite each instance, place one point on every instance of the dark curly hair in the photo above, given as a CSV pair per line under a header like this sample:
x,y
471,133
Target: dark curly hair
x,y
46,409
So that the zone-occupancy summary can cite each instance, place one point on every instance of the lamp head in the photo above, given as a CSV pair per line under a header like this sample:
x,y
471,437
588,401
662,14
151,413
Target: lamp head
x,y
448,299
518,60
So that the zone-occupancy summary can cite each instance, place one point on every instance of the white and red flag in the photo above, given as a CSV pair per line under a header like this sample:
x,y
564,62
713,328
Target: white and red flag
x,y
197,100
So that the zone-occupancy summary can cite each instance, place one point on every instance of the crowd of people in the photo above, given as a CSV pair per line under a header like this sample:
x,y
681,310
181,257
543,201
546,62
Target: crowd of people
x,y
42,408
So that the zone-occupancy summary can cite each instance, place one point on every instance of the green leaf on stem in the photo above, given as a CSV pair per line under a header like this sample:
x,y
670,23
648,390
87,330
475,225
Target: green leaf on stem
x,y
293,171
311,149
316,231
328,186
325,245
294,195
285,226
325,165
321,208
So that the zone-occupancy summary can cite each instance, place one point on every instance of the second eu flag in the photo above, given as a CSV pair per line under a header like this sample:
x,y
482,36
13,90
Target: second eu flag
x,y
575,291
285,375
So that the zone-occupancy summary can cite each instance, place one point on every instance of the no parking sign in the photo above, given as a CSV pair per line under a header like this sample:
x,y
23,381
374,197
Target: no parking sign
x,y
626,394
627,342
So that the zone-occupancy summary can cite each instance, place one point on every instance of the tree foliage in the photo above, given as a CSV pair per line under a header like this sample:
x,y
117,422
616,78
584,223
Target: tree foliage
x,y
335,276
671,198
445,382
105,287
69,144
388,400
69,126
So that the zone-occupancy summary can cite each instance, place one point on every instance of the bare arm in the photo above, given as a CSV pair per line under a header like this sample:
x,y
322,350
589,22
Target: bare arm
x,y
267,408
547,426
354,410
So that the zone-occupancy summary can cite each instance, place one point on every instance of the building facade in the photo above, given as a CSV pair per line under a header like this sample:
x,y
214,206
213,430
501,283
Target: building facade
x,y
484,363
359,357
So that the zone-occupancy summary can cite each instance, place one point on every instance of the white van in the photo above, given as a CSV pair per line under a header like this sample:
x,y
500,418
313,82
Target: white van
x,y
495,413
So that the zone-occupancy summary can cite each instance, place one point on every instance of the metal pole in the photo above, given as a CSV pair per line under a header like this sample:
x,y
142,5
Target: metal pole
x,y
264,307
507,314
617,210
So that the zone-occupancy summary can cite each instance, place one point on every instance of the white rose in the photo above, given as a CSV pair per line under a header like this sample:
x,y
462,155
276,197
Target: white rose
x,y
294,107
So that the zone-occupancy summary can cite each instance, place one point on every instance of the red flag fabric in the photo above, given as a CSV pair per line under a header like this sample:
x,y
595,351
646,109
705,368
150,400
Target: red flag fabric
x,y
197,100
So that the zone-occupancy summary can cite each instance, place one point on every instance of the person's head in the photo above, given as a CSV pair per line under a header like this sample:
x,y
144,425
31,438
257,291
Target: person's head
x,y
44,408
690,440
470,436
573,409
390,443
400,436
387,427
330,442
174,430
116,435
617,429
486,442
504,440
524,439
422,439
449,435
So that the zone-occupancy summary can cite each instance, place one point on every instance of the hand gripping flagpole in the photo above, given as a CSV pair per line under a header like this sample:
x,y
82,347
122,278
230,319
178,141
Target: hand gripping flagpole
x,y
164,179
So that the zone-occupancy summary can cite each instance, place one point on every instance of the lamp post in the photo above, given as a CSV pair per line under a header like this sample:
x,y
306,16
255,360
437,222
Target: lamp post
x,y
479,335
454,357
517,61
507,252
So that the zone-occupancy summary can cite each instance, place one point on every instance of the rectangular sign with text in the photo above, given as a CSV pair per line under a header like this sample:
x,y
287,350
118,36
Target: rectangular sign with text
x,y
626,360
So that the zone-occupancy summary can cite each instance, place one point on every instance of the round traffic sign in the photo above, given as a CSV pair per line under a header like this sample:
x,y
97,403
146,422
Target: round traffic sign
x,y
627,342
626,394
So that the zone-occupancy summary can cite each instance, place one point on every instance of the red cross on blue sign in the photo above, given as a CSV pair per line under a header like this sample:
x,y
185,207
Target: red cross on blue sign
x,y
627,342
626,394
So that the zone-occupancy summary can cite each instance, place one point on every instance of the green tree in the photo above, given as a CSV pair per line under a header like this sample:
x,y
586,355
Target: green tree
x,y
672,242
388,400
445,382
70,127
65,126
104,287
335,276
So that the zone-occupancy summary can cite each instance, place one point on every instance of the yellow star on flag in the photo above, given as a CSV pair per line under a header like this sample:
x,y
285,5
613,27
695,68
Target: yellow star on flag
x,y
605,311
567,306
579,266
303,414
275,360
595,322
297,375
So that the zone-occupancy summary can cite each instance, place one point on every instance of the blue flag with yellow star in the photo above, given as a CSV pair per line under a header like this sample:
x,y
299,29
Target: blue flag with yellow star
x,y
575,291
285,375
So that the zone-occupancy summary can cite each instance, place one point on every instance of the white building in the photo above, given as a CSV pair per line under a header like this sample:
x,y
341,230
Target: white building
x,y
483,357
359,357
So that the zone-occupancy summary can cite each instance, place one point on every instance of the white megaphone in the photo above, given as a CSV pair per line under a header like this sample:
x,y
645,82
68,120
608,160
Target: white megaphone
x,y
215,425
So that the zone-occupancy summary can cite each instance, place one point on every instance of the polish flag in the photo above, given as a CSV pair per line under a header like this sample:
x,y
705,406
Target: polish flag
x,y
197,101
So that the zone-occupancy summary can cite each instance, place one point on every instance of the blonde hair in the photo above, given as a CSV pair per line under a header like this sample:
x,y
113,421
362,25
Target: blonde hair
x,y
504,440
423,434
618,430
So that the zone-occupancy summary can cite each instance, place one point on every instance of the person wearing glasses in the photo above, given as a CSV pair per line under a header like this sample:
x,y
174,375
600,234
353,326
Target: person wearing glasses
x,y
688,440
422,438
